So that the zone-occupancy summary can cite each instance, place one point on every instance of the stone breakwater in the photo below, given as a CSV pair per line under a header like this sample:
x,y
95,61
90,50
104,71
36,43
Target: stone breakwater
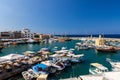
x,y
94,38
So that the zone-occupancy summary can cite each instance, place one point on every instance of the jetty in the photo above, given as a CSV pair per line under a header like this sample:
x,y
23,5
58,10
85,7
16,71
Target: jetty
x,y
94,38
13,64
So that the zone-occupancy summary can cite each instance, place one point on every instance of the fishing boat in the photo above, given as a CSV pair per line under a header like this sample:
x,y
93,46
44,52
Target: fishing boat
x,y
96,68
68,54
45,51
16,65
27,76
66,61
52,68
40,69
30,41
106,49
29,53
81,46
75,58
59,65
115,64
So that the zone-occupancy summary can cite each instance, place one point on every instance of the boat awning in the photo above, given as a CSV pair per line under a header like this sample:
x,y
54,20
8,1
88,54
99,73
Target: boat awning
x,y
99,66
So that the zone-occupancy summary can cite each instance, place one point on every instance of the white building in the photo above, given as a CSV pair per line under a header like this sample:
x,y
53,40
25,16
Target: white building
x,y
27,33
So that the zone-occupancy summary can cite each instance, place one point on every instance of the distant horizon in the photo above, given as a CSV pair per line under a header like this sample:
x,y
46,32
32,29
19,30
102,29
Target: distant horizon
x,y
61,16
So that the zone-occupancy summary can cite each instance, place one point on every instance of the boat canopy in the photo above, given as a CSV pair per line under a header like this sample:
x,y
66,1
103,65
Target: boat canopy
x,y
99,66
36,67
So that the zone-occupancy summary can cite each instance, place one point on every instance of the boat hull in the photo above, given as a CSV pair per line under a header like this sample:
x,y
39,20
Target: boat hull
x,y
106,50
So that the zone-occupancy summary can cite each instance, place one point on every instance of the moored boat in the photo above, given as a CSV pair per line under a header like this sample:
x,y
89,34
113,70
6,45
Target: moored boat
x,y
96,68
52,68
40,69
115,64
107,49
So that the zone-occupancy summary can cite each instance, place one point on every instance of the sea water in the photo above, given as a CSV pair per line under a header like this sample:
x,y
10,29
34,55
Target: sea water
x,y
90,55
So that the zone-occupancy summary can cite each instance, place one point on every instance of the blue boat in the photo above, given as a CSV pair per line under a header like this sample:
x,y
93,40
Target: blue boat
x,y
40,69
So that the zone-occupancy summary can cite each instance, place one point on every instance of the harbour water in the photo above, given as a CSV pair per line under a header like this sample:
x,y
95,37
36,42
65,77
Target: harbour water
x,y
76,69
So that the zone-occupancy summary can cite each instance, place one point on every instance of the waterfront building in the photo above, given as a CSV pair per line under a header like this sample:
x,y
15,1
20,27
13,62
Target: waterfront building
x,y
100,41
6,35
17,34
27,33
44,36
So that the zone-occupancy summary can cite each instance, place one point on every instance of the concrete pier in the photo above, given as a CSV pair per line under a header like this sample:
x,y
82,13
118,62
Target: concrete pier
x,y
94,38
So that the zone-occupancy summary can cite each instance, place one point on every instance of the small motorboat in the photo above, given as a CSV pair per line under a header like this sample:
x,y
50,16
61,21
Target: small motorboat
x,y
52,68
40,69
27,76
96,68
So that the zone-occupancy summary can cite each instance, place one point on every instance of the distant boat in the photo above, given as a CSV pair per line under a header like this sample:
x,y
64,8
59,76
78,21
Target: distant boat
x,y
81,46
30,41
29,75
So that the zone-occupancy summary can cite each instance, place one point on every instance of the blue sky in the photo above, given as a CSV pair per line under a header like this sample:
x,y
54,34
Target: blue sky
x,y
61,16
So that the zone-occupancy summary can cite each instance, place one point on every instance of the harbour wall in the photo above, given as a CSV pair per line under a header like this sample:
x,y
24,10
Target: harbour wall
x,y
94,38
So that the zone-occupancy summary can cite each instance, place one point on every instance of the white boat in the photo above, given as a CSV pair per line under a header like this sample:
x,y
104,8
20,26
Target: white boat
x,y
63,48
52,68
75,58
27,76
69,55
58,64
115,64
96,68
81,46
30,41
29,53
